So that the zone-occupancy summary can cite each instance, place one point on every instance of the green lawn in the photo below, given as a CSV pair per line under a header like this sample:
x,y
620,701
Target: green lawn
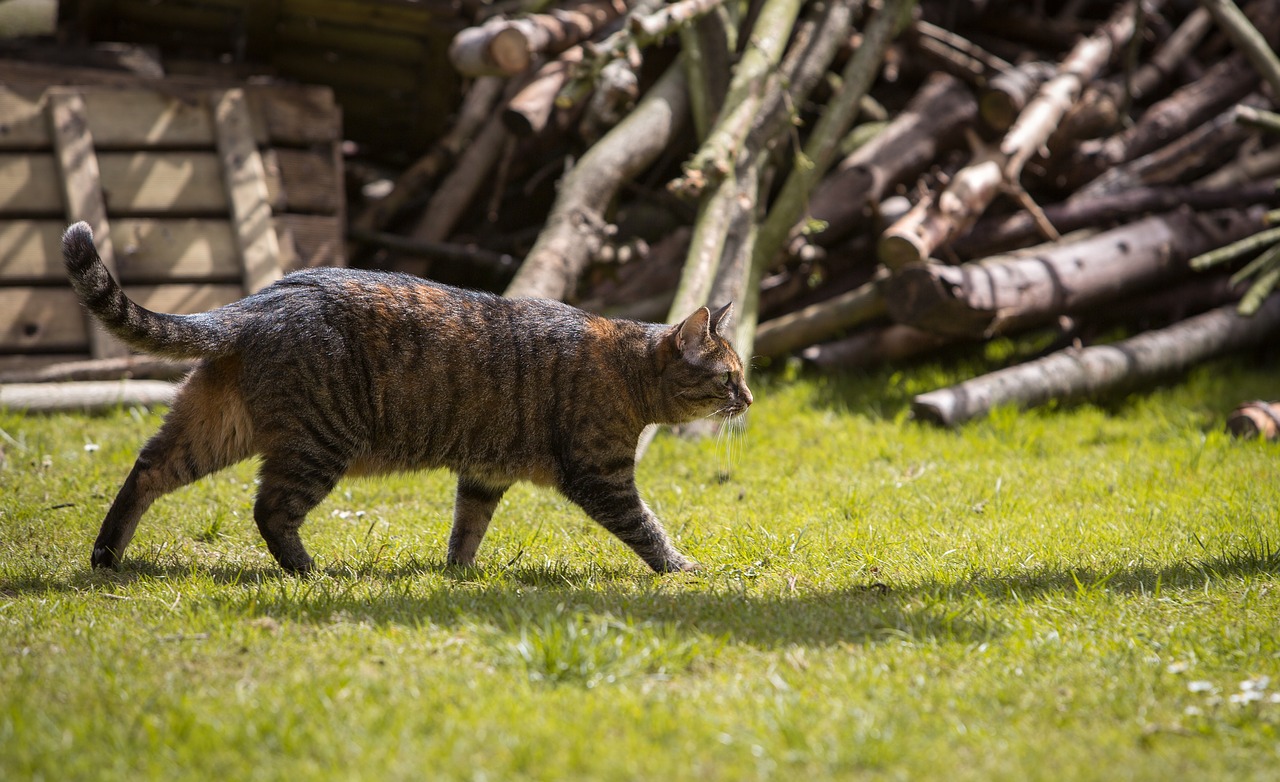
x,y
1088,593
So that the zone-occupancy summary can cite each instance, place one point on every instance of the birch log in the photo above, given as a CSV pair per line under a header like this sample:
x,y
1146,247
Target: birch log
x,y
1092,372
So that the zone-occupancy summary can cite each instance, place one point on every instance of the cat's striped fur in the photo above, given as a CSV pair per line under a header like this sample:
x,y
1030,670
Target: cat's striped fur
x,y
330,372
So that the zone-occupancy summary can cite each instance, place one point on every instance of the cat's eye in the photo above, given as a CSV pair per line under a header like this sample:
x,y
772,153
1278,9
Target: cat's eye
x,y
727,379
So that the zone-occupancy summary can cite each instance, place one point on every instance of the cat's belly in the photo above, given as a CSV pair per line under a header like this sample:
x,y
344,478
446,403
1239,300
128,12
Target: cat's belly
x,y
543,475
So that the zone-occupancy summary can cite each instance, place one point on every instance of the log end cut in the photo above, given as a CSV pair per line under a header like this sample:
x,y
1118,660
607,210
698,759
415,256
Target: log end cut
x,y
1252,420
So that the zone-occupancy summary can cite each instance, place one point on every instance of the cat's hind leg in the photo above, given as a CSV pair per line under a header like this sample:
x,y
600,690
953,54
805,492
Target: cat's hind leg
x,y
472,510
206,430
291,484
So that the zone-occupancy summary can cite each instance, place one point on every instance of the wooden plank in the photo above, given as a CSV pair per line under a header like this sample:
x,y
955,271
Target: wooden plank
x,y
51,320
175,250
77,166
31,251
245,179
308,241
41,320
308,181
133,118
289,114
148,250
22,120
29,185
154,182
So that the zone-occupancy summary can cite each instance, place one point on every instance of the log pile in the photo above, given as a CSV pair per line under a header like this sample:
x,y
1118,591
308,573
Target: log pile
x,y
869,181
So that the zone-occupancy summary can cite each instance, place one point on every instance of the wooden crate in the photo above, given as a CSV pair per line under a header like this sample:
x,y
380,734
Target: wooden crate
x,y
197,196
386,60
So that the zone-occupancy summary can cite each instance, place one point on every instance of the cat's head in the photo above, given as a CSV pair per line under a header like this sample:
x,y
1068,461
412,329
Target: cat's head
x,y
703,375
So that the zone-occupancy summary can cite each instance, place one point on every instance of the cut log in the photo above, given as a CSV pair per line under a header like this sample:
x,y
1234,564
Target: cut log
x,y
819,321
510,46
931,123
1255,419
127,367
971,191
1100,370
1222,86
883,345
999,294
996,234
574,229
90,395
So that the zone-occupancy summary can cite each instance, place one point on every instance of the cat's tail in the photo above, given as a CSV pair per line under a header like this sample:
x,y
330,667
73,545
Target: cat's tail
x,y
175,336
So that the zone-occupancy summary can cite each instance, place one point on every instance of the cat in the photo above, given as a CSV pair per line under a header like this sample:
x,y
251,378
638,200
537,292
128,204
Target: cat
x,y
332,372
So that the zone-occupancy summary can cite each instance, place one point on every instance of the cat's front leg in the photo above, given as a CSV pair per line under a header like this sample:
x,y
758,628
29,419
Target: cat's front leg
x,y
472,510
612,500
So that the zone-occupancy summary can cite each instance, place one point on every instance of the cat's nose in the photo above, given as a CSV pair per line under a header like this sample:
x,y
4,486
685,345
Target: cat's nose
x,y
746,396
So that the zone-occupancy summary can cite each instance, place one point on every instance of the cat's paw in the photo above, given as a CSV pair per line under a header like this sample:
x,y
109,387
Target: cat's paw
x,y
681,565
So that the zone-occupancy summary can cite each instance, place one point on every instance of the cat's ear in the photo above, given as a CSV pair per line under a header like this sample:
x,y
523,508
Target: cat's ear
x,y
720,319
693,330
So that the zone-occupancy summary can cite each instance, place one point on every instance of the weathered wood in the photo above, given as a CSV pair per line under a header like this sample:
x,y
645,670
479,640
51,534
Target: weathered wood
x,y
51,320
999,233
85,396
127,367
78,174
1092,372
870,347
820,321
997,295
574,228
972,189
509,46
931,122
245,179
1256,419
529,109
1222,86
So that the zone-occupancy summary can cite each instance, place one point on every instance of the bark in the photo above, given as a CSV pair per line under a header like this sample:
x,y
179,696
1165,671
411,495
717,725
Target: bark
x,y
883,345
529,109
1187,108
995,234
668,19
916,236
510,46
820,150
89,395
1253,43
1001,294
819,321
724,235
1255,420
1009,92
1100,109
1200,150
574,228
477,106
932,122
956,55
717,158
125,368
1099,370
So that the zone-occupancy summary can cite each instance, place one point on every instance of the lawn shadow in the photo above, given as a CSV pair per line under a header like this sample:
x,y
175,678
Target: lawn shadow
x,y
513,598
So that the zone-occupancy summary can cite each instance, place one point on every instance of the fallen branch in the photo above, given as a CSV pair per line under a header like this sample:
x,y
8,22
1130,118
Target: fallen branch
x,y
1092,372
510,46
996,295
574,228
124,368
972,189
89,395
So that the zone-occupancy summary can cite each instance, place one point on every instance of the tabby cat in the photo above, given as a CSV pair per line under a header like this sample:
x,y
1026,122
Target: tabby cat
x,y
333,372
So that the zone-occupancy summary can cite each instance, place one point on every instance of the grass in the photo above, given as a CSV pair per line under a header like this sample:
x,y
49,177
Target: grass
x,y
1088,593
